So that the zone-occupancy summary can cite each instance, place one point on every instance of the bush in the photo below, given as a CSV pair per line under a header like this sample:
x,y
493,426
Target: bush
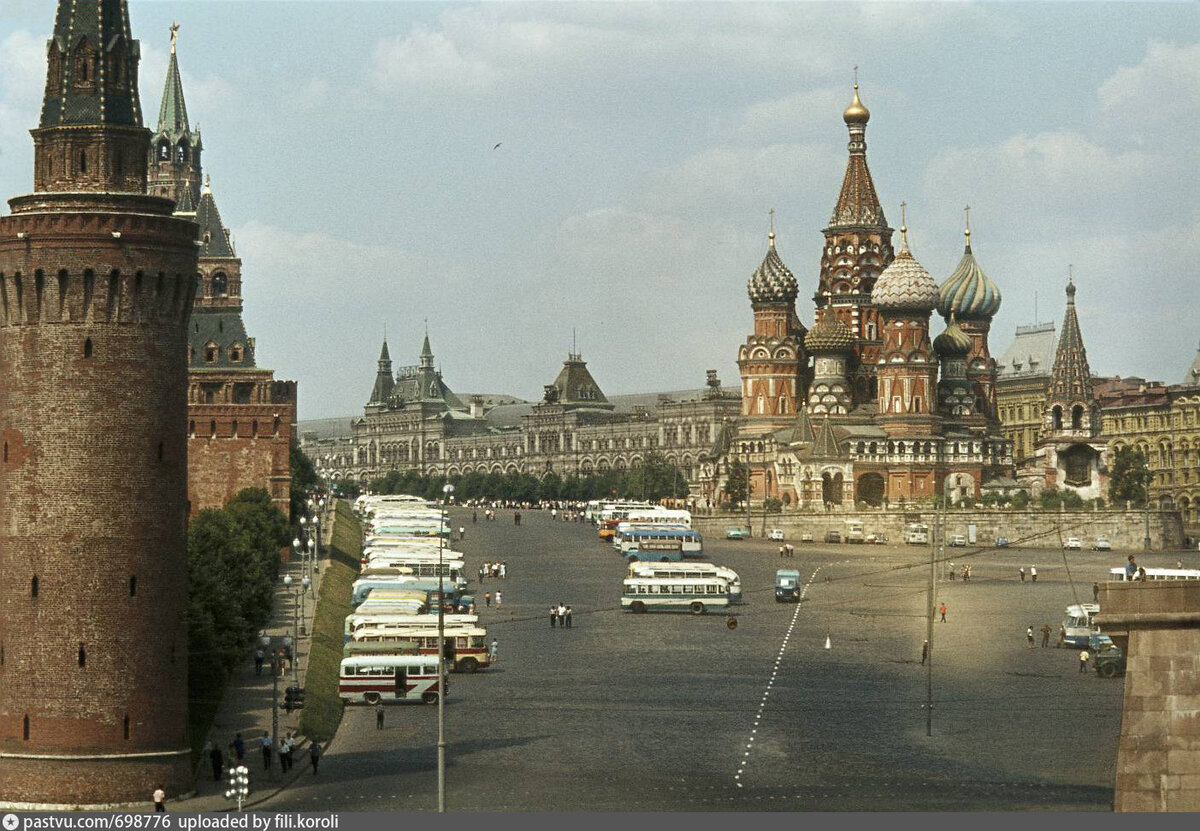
x,y
322,704
772,505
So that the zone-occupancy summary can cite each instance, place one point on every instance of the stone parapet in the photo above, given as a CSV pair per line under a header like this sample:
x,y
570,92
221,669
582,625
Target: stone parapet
x,y
1158,757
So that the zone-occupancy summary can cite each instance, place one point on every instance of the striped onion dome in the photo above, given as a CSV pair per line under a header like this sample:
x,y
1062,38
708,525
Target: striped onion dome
x,y
952,342
829,335
771,281
968,294
905,285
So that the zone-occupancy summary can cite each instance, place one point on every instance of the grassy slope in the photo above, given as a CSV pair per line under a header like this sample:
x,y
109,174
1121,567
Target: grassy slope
x,y
322,705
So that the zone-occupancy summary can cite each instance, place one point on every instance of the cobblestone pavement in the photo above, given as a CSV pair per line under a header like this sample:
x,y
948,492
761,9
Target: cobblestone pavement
x,y
680,712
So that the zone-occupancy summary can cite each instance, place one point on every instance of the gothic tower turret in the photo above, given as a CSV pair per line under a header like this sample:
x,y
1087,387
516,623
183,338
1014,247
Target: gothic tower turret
x,y
175,166
858,246
1071,407
384,382
96,283
772,360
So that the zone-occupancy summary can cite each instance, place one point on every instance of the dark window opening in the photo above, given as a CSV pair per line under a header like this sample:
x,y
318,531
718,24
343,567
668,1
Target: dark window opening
x,y
127,726
212,429
6,451
191,429
253,435
1,654
235,426
87,348
33,587
25,728
133,585
160,451
63,285
82,655
83,161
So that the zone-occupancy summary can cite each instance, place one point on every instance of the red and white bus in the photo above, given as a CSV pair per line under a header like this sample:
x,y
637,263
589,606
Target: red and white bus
x,y
372,679
466,647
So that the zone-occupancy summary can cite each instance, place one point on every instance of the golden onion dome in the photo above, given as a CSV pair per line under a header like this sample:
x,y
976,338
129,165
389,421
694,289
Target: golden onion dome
x,y
856,113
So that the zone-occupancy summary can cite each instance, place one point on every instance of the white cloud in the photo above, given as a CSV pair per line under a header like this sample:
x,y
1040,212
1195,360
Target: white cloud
x,y
1164,84
431,63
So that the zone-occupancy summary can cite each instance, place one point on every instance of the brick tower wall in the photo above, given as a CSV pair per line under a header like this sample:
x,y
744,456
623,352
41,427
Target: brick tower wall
x,y
95,295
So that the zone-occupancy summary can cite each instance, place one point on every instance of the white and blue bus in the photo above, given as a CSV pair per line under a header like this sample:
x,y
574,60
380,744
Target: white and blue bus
x,y
653,543
668,594
1078,626
680,571
1155,574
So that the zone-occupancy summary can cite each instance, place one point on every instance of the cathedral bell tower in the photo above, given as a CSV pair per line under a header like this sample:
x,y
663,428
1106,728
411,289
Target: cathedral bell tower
x,y
772,361
175,166
96,285
858,246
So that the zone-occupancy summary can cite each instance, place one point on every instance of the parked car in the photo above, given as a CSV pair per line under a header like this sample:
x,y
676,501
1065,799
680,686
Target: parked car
x,y
1108,658
733,532
1002,542
1102,544
881,539
833,536
806,537
1073,544
775,534
958,541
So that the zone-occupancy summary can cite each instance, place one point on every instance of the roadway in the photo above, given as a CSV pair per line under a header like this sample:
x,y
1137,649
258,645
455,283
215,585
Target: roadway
x,y
679,712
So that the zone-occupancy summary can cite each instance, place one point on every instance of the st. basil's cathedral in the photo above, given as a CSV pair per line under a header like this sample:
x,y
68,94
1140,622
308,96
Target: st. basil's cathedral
x,y
865,407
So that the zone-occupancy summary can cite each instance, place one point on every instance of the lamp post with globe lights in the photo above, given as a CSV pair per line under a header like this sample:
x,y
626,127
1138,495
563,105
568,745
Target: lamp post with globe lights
x,y
447,489
293,587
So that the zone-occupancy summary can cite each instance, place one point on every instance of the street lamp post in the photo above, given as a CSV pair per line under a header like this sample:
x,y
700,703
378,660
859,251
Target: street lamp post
x,y
447,489
287,581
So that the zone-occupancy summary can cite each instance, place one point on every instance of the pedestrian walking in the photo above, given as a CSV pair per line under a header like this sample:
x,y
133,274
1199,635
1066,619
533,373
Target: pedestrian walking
x,y
285,753
1062,636
314,756
503,571
517,518
259,657
487,598
217,760
462,532
924,652
562,614
782,551
1021,571
482,572
160,800
266,750
493,650
379,716
1083,660
1045,635
791,549
1095,592
568,617
553,616
474,517
499,600
1033,573
942,610
239,747
952,571
1029,636
1131,568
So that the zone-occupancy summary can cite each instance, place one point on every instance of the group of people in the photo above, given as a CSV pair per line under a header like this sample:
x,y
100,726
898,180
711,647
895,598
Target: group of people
x,y
965,572
285,749
787,550
560,615
1032,573
487,599
493,570
1045,635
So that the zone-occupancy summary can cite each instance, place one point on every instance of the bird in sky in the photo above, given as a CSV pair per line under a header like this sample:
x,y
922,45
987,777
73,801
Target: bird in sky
x,y
497,147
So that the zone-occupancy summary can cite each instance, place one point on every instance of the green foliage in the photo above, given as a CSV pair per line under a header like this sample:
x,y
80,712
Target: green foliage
x,y
346,488
655,479
322,703
1052,499
304,480
772,505
737,483
1128,477
233,564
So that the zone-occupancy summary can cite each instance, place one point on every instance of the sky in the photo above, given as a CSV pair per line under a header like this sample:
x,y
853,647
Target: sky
x,y
641,145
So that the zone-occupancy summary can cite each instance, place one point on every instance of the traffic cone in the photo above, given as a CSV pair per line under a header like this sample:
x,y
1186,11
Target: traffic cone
x,y
828,643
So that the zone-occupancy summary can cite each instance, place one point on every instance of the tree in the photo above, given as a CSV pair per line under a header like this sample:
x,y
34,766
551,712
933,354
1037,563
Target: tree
x,y
1128,477
304,480
737,483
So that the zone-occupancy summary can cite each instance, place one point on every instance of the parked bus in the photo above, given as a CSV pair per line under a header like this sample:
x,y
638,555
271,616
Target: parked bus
x,y
465,646
1078,624
665,594
658,514
689,542
1158,574
378,623
378,588
452,570
916,534
409,529
679,571
375,678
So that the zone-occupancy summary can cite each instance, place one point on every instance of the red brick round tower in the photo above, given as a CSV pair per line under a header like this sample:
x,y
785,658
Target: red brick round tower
x,y
96,286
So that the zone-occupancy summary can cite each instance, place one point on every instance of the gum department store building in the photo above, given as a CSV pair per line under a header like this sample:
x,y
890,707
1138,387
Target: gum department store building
x,y
864,407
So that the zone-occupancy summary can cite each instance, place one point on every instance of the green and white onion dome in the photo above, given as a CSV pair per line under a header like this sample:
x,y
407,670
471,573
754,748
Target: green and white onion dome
x,y
953,342
905,285
829,335
771,281
969,294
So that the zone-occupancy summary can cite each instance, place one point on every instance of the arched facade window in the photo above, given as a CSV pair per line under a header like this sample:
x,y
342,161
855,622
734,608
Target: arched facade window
x,y
220,284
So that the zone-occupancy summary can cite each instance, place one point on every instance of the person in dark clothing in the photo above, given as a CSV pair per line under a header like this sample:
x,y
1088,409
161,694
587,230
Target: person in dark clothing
x,y
1045,635
266,750
1095,592
554,616
568,617
924,652
217,760
239,747
314,755
379,716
